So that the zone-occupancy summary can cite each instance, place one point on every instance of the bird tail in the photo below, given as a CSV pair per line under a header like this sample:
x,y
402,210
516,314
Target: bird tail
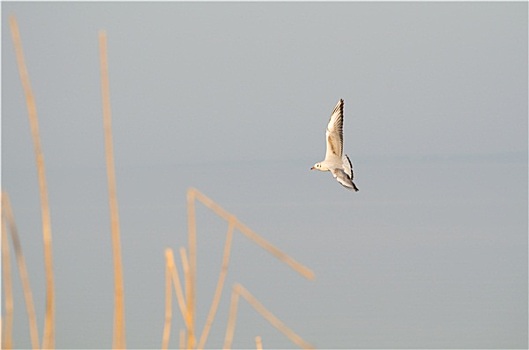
x,y
354,187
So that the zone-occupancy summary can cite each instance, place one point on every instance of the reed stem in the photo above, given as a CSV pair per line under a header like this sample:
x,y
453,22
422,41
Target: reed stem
x,y
7,283
220,283
9,218
168,305
119,303
48,340
258,343
273,320
191,280
263,243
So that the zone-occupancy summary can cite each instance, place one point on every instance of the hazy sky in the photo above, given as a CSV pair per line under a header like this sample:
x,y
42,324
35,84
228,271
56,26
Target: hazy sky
x,y
233,99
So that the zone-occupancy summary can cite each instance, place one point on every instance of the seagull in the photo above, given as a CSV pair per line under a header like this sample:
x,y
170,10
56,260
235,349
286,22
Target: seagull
x,y
339,165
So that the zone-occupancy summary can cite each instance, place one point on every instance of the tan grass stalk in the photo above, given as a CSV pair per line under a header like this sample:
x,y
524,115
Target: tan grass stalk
x,y
273,320
191,281
220,284
168,305
49,318
172,275
9,218
232,319
188,315
119,304
258,343
296,266
208,202
177,285
185,267
7,283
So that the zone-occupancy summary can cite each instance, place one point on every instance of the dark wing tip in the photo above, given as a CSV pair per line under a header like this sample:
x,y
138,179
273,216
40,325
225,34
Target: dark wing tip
x,y
349,160
350,166
339,106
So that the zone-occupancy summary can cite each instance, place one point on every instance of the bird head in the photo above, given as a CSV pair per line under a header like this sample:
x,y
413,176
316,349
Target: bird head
x,y
316,166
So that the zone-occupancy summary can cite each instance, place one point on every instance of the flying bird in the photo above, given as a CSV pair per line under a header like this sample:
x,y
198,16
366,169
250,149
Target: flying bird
x,y
335,161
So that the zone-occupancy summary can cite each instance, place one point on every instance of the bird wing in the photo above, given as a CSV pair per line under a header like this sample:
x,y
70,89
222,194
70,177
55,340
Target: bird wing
x,y
347,166
334,133
343,179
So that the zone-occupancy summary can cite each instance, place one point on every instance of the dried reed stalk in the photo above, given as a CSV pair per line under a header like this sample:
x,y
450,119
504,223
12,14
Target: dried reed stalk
x,y
48,340
191,281
188,314
8,216
168,304
119,304
7,283
273,320
177,285
299,268
171,274
258,343
220,284
232,317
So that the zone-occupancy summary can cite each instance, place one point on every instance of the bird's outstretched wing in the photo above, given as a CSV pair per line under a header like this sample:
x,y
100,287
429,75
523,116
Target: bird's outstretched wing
x,y
347,166
343,179
334,134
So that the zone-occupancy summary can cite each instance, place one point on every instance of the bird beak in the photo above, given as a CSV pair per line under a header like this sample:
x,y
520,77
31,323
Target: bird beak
x,y
312,168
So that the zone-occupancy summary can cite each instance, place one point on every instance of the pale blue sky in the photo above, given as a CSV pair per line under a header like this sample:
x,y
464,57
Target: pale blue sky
x,y
233,98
